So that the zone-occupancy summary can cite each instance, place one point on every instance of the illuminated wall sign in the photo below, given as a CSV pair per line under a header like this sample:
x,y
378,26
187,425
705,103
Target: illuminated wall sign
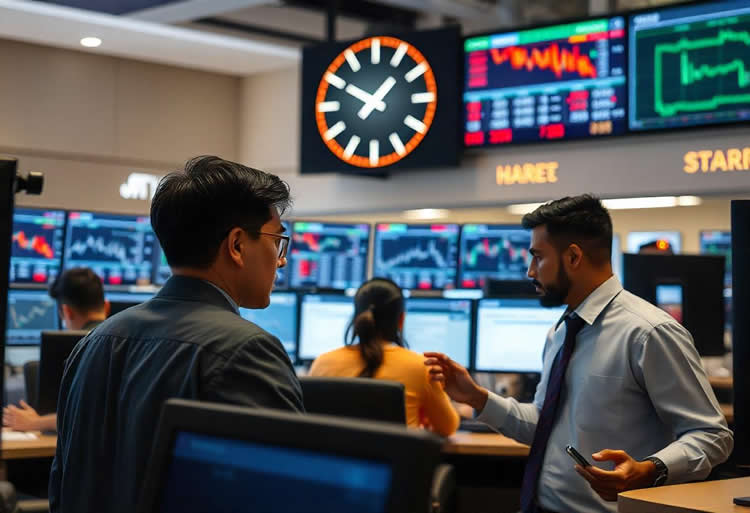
x,y
527,173
710,161
140,186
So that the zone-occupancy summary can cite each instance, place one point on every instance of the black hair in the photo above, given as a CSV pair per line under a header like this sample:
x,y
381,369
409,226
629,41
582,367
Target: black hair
x,y
79,288
581,220
193,211
378,305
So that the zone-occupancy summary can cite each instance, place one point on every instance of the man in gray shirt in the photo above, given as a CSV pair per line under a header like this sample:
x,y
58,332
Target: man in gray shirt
x,y
621,379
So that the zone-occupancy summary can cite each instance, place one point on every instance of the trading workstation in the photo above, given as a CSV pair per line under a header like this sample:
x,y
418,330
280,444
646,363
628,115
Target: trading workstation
x,y
604,104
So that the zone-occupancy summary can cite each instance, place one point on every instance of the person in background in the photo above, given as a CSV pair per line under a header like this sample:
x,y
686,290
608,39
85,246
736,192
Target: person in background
x,y
622,381
375,348
81,304
218,224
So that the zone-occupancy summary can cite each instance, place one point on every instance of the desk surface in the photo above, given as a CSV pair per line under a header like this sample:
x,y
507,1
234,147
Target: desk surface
x,y
706,497
717,382
484,444
43,447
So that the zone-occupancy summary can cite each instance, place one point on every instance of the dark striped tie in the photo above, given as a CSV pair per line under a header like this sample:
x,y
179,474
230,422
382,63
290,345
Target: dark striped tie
x,y
573,325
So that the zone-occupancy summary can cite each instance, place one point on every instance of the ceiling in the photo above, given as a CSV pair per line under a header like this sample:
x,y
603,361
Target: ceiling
x,y
242,37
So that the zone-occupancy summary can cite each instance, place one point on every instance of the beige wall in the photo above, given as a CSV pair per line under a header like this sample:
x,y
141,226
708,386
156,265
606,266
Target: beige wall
x,y
87,121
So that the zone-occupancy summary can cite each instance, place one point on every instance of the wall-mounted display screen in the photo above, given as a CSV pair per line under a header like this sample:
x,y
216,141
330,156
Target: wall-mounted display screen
x,y
329,255
417,256
690,65
556,82
120,249
382,103
493,251
36,245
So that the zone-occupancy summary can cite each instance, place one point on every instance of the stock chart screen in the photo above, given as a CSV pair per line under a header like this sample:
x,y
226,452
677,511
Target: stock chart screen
x,y
36,245
493,251
556,82
718,243
120,249
279,318
417,256
329,255
29,313
690,66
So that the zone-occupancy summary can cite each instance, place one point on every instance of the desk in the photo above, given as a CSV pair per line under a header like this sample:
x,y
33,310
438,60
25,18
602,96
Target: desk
x,y
717,382
728,411
484,444
43,447
706,497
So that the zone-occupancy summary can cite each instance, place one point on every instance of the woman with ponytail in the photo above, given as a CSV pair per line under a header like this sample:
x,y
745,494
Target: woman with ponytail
x,y
375,348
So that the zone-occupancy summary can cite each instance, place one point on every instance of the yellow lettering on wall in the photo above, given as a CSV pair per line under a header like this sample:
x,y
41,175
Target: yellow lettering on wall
x,y
719,161
734,159
705,156
526,173
691,162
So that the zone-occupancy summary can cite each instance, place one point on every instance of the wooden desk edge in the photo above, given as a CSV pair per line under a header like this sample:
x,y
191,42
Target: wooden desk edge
x,y
42,447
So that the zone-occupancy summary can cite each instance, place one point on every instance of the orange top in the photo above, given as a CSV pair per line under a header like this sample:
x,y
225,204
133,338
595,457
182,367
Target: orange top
x,y
426,402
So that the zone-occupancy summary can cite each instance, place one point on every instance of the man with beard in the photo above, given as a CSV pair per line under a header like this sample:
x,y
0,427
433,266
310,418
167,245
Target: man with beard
x,y
621,379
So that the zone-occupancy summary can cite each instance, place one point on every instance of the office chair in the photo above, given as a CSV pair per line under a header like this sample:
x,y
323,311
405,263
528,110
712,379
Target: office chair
x,y
374,399
31,382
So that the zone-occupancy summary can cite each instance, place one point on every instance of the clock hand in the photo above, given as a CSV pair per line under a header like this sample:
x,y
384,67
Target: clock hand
x,y
364,96
377,98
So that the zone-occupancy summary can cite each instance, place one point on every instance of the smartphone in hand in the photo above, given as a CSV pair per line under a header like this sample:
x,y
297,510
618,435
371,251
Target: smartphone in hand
x,y
577,457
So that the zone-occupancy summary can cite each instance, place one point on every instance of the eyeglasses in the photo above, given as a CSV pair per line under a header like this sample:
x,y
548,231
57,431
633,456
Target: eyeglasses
x,y
282,242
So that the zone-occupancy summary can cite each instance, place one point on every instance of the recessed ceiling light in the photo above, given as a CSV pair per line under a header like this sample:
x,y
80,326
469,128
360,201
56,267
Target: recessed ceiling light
x,y
91,42
426,213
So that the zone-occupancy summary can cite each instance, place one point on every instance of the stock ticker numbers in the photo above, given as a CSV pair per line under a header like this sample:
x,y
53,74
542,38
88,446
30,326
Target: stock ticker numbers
x,y
120,249
558,82
329,255
417,256
690,66
36,245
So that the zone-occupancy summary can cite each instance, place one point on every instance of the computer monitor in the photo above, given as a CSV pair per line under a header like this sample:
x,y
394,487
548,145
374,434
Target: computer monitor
x,y
224,459
29,313
37,245
442,325
617,256
686,286
118,248
119,301
323,322
328,255
162,271
279,318
511,334
417,256
54,351
499,252
718,242
636,240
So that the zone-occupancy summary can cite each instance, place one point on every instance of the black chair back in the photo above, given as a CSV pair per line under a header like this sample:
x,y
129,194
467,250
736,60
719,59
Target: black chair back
x,y
359,398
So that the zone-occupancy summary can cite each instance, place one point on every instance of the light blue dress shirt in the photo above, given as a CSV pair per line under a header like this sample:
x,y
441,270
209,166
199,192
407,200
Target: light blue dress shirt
x,y
634,383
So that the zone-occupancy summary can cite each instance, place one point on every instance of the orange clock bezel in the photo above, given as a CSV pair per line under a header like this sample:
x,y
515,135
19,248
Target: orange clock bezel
x,y
429,114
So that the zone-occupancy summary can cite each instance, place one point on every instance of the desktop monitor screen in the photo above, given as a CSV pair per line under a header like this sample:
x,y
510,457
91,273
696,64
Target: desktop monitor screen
x,y
162,271
617,256
689,67
118,248
511,334
554,82
55,348
718,243
417,256
29,313
37,245
323,322
638,239
328,255
279,318
442,325
238,475
120,301
493,251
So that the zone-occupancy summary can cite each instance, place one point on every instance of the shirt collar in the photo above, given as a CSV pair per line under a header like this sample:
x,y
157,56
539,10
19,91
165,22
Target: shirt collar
x,y
598,300
227,296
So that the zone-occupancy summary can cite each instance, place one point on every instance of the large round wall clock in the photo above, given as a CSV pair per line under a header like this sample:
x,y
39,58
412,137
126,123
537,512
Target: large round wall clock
x,y
375,102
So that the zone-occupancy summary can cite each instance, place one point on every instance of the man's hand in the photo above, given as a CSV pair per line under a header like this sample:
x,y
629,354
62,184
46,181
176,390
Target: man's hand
x,y
24,418
457,381
628,474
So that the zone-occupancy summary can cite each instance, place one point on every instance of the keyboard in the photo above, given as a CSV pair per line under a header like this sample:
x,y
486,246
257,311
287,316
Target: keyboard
x,y
475,426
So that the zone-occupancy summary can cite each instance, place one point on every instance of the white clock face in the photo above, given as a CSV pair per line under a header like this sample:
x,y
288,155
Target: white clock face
x,y
376,102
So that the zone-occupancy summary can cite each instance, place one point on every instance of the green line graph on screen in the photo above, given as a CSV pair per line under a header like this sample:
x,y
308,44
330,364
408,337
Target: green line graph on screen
x,y
710,78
